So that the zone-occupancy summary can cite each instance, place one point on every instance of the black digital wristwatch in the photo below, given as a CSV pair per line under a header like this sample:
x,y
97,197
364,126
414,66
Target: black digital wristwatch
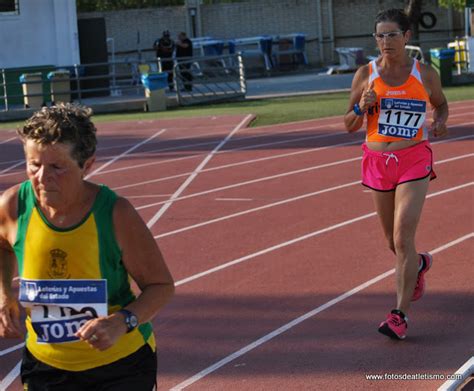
x,y
131,319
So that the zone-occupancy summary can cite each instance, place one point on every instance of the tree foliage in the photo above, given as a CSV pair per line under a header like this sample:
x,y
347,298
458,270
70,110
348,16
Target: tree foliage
x,y
457,4
114,5
413,8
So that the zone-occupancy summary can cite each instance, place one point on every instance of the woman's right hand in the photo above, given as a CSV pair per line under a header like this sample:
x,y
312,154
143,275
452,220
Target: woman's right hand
x,y
368,98
10,318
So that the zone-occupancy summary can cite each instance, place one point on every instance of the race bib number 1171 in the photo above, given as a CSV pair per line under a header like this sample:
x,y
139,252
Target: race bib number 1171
x,y
401,117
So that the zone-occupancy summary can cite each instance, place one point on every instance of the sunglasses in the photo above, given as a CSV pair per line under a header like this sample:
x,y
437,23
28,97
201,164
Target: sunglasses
x,y
389,35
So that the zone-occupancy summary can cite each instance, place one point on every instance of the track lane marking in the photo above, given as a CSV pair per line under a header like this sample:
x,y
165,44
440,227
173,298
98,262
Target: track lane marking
x,y
8,140
117,157
301,238
301,319
289,132
466,369
251,161
188,181
285,201
251,146
239,184
10,377
271,177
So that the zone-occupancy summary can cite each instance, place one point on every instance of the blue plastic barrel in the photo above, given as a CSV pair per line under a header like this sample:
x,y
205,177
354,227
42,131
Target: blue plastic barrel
x,y
155,80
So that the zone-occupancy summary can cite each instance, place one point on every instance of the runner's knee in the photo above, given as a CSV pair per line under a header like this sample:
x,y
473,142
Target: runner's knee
x,y
402,244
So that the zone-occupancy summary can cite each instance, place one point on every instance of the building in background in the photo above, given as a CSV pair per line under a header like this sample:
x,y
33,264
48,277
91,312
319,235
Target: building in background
x,y
38,32
327,24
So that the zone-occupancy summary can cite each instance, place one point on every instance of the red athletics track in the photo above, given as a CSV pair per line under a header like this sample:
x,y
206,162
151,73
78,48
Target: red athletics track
x,y
266,226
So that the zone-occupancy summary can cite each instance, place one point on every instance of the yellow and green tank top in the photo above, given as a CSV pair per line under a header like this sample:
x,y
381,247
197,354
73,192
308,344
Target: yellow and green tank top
x,y
69,275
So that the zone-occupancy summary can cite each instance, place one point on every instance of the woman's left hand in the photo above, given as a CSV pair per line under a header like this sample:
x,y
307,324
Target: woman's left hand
x,y
439,129
101,333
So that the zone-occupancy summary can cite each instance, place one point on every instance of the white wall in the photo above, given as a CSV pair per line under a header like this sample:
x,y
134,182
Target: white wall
x,y
44,33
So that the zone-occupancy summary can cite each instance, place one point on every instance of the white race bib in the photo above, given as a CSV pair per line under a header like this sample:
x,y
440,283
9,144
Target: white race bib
x,y
59,308
401,117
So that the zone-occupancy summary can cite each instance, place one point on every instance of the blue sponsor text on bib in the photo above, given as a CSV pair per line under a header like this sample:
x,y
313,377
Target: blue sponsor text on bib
x,y
401,117
59,308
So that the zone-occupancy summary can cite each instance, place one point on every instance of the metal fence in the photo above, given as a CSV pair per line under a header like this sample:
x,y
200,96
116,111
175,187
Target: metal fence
x,y
209,79
213,78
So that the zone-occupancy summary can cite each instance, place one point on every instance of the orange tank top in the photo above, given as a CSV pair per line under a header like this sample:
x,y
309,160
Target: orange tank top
x,y
400,111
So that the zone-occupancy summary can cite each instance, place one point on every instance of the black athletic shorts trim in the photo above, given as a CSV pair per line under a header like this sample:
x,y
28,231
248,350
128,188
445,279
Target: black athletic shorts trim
x,y
136,372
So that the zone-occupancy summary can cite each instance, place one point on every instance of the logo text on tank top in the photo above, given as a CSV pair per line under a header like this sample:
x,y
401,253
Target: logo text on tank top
x,y
59,308
401,117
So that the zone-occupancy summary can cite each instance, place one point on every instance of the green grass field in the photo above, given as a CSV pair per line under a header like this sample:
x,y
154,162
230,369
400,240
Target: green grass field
x,y
268,111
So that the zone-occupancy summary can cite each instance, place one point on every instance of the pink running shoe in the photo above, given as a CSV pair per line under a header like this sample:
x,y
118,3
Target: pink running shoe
x,y
395,326
420,282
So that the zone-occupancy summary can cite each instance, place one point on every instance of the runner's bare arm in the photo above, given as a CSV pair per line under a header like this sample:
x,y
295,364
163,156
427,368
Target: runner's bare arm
x,y
9,308
144,262
352,121
438,101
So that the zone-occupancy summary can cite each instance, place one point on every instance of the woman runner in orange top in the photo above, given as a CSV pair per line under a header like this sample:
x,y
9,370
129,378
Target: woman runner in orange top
x,y
394,92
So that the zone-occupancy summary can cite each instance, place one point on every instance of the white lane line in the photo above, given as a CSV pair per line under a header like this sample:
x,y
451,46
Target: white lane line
x,y
185,138
150,196
259,159
168,140
301,238
230,150
267,178
11,376
12,167
301,319
11,349
252,146
244,212
4,163
285,201
466,370
8,140
113,160
186,183
287,132
251,161
244,162
233,199
455,158
262,179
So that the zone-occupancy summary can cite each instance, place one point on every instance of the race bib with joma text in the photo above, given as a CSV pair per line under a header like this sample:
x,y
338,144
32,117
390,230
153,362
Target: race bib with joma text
x,y
401,117
59,308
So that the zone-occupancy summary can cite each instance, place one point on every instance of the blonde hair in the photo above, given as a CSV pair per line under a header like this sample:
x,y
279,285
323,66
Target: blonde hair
x,y
63,123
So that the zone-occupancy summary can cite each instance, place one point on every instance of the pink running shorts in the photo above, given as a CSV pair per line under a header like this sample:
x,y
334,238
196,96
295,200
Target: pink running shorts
x,y
384,171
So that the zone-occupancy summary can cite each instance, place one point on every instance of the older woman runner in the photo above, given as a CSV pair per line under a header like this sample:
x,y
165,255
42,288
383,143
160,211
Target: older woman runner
x,y
76,244
394,92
